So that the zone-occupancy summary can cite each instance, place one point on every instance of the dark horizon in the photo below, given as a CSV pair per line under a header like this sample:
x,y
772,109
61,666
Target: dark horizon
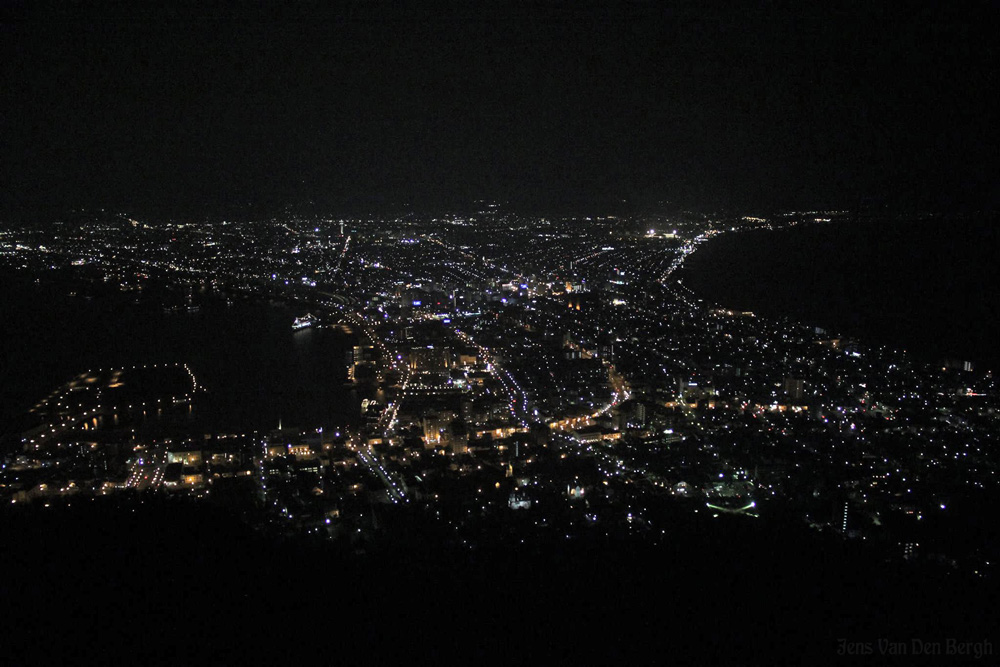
x,y
553,109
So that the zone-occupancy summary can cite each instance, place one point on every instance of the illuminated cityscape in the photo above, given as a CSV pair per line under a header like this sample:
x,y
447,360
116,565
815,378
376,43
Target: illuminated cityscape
x,y
460,421
559,368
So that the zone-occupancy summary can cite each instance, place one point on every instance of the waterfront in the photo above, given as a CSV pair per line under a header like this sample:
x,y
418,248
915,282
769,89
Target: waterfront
x,y
927,286
254,368
544,393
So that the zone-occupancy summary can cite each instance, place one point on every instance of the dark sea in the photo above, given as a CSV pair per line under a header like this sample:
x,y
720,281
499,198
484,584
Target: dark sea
x,y
255,369
930,286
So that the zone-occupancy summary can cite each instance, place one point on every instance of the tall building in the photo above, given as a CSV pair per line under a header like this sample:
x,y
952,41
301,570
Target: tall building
x,y
640,413
794,388
430,358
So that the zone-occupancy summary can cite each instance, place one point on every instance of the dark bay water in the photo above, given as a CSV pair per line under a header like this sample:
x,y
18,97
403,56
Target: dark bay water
x,y
255,368
931,287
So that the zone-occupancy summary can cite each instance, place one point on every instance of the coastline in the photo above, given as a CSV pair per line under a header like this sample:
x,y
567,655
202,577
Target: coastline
x,y
256,370
919,286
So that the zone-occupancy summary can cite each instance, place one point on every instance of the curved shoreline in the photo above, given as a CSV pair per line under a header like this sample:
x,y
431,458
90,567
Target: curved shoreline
x,y
923,286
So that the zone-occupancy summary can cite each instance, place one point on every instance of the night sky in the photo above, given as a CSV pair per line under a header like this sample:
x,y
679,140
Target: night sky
x,y
558,108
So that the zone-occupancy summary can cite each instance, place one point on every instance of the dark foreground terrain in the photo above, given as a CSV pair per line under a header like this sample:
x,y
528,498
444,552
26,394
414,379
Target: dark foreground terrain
x,y
165,581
